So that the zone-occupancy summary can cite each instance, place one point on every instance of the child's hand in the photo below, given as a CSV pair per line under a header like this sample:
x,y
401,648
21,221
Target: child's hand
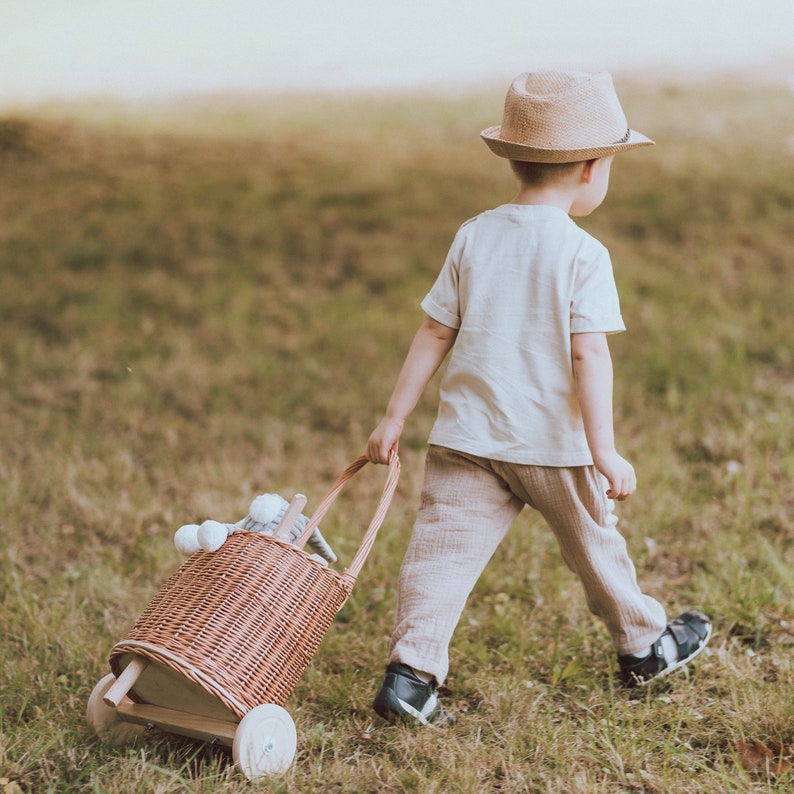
x,y
384,439
620,474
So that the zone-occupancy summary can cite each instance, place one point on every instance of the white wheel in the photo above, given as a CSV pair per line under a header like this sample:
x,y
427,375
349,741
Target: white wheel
x,y
105,720
265,742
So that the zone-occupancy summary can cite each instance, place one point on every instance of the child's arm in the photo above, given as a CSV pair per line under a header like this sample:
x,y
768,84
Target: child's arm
x,y
429,348
592,370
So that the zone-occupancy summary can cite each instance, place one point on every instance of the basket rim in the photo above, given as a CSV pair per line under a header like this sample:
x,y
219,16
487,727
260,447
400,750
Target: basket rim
x,y
343,578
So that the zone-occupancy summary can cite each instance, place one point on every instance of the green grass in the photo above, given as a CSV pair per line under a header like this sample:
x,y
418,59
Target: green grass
x,y
202,302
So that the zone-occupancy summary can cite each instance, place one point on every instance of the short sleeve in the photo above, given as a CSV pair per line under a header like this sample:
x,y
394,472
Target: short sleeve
x,y
442,303
595,306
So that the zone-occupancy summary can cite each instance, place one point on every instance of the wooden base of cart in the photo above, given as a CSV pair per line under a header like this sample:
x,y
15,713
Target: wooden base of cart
x,y
152,696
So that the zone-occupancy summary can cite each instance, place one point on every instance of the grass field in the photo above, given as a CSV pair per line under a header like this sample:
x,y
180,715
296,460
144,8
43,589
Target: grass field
x,y
202,302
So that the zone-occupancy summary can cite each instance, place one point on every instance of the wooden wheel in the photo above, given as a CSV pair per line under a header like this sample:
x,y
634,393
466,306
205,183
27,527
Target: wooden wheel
x,y
265,742
104,719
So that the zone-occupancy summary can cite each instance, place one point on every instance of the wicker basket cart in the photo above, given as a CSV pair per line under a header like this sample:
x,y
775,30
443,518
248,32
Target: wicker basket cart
x,y
221,646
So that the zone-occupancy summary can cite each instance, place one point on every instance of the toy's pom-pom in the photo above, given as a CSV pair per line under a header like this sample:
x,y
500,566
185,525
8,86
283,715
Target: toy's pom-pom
x,y
186,539
267,507
212,535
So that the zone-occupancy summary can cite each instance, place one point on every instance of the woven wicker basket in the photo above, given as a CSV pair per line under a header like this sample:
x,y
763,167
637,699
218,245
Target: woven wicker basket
x,y
245,621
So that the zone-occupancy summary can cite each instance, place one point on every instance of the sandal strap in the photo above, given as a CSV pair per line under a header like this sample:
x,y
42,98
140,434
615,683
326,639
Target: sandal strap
x,y
688,631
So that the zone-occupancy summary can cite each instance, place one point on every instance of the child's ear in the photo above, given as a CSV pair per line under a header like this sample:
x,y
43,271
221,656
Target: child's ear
x,y
587,171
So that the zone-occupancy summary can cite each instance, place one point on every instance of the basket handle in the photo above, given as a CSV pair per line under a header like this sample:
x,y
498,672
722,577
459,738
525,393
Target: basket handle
x,y
380,513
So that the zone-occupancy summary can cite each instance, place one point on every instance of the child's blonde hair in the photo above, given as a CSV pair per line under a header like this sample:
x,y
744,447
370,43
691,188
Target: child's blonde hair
x,y
538,174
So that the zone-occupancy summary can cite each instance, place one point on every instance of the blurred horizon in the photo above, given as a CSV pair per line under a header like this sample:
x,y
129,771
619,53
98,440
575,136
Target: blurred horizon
x,y
164,48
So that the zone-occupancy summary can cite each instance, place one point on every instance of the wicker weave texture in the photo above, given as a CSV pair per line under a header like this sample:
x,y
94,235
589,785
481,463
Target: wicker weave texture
x,y
249,616
245,621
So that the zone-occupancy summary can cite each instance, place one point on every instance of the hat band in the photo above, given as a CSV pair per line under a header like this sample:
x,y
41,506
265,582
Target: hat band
x,y
625,138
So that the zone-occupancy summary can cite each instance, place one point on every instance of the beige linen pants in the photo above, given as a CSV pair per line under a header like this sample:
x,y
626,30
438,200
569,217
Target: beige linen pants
x,y
467,506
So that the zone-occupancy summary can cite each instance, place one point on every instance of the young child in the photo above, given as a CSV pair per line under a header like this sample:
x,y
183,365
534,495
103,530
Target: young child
x,y
524,302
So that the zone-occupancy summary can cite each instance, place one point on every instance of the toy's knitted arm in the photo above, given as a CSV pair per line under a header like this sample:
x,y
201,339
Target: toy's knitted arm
x,y
316,540
321,545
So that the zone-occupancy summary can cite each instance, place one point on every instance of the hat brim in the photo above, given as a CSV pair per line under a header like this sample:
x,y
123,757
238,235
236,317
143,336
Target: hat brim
x,y
533,154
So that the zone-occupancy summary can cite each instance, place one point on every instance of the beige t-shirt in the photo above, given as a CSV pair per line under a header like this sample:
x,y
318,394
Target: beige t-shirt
x,y
517,282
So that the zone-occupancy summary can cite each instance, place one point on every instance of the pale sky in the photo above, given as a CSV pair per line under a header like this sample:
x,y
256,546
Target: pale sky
x,y
140,48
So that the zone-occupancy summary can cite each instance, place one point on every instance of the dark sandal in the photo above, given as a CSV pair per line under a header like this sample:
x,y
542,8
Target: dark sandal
x,y
691,632
404,697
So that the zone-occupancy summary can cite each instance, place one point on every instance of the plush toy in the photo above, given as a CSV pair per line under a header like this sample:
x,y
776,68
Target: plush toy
x,y
265,514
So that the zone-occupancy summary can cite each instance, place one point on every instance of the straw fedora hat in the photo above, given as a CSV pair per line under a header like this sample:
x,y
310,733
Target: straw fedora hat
x,y
562,117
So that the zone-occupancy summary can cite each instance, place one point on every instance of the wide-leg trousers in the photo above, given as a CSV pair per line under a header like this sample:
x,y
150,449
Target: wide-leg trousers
x,y
467,506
